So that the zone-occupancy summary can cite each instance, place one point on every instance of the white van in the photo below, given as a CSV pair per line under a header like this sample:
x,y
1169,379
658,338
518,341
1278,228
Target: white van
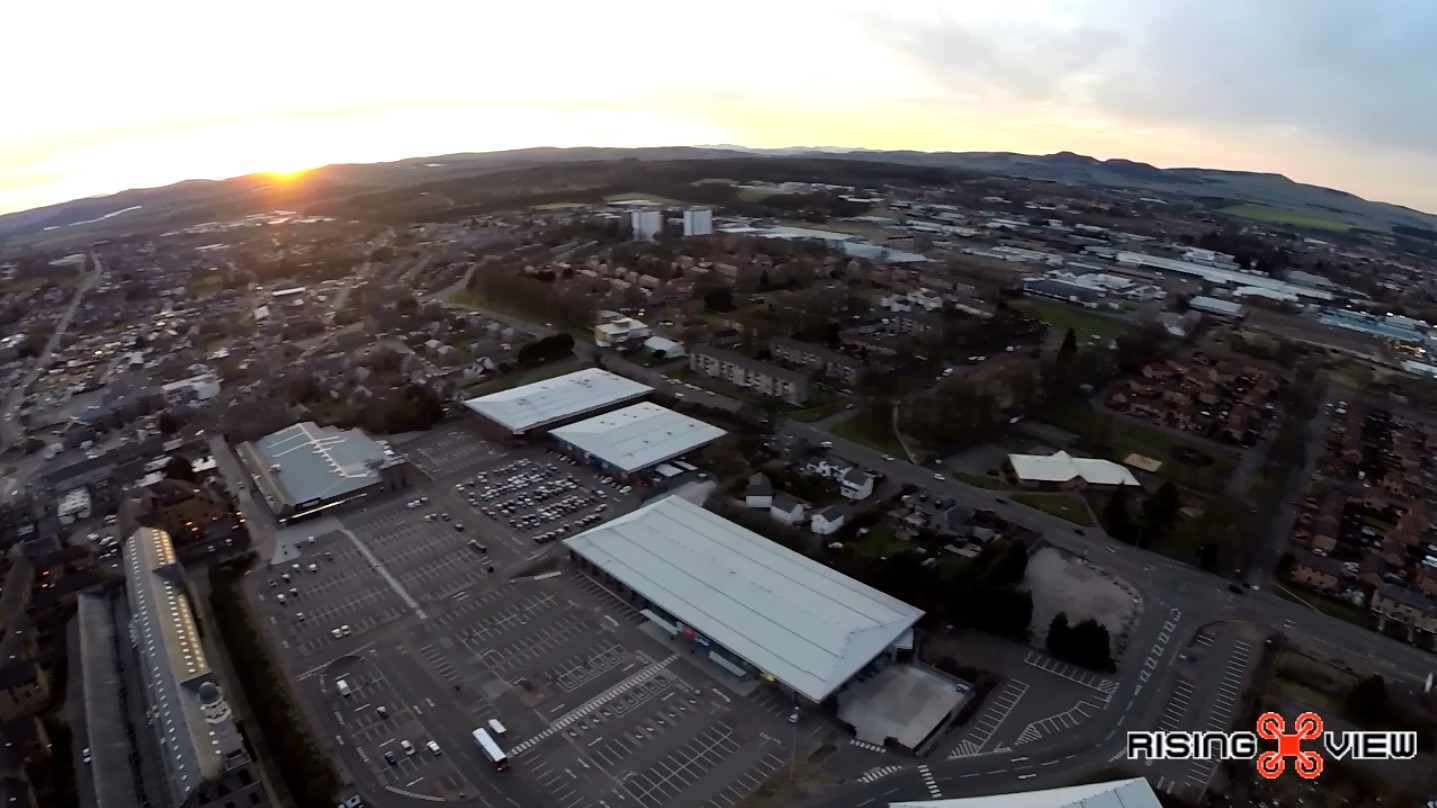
x,y
496,727
343,687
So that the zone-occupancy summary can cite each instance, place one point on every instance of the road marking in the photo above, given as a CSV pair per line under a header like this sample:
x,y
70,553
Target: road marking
x,y
928,781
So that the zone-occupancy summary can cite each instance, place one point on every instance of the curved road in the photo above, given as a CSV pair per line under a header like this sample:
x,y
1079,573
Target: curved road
x,y
11,432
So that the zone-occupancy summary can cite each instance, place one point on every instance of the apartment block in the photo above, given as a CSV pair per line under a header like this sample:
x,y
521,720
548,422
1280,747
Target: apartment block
x,y
840,367
741,371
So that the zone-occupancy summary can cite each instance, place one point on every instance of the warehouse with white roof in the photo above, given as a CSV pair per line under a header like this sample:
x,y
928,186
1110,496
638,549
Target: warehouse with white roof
x,y
546,404
1134,792
752,606
638,437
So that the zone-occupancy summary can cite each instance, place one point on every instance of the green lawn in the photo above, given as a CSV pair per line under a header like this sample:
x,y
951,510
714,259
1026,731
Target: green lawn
x,y
638,197
1341,609
879,542
1262,213
1063,316
980,480
472,300
755,194
811,415
856,430
1129,436
1062,506
518,377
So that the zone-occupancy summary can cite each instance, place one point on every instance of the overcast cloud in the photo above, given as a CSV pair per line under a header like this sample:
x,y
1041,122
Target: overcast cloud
x,y
1354,73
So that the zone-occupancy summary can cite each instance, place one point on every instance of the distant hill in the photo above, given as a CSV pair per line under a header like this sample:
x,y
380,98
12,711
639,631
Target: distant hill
x,y
196,201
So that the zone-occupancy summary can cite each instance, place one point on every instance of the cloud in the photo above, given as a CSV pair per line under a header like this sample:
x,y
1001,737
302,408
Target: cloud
x,y
1352,73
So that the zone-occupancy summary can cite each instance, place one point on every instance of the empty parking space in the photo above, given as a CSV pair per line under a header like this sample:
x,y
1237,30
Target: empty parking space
x,y
387,734
1177,707
990,719
663,782
1223,706
1061,722
1072,673
451,449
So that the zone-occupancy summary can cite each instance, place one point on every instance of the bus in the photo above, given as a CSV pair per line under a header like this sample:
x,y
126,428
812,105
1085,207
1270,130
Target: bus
x,y
491,750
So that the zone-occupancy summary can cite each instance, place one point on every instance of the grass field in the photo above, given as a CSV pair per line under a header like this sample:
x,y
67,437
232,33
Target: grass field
x,y
855,429
810,415
1341,609
637,197
1062,506
1131,437
1262,213
1084,322
979,480
755,194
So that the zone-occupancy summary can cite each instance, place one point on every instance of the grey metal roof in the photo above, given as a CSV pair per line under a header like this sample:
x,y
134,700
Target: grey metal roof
x,y
805,624
98,636
1133,793
550,400
307,462
638,436
195,739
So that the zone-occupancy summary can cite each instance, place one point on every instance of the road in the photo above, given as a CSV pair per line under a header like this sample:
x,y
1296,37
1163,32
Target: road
x,y
1165,585
1167,588
11,432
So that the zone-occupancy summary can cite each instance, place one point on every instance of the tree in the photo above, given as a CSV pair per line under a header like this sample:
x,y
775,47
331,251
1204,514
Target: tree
x,y
1367,701
1117,518
180,469
406,305
719,299
168,423
1160,512
1058,634
1069,346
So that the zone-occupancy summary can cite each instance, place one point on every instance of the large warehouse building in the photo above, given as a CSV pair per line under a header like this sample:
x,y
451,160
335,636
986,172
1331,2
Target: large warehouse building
x,y
1131,793
755,607
627,441
550,403
306,468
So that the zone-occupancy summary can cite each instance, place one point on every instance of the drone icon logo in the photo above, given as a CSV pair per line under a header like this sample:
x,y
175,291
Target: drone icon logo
x,y
1307,763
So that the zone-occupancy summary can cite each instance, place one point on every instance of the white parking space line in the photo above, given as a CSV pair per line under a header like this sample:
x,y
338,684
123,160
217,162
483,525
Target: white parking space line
x,y
991,719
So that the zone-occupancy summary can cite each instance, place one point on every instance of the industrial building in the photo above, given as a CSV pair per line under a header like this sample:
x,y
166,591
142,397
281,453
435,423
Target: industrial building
x,y
550,403
305,469
1218,276
628,441
753,607
1218,307
1063,470
203,753
698,222
1131,793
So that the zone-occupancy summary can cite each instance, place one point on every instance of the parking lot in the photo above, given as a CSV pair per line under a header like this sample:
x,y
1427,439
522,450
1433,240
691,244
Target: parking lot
x,y
331,594
451,449
387,734
446,637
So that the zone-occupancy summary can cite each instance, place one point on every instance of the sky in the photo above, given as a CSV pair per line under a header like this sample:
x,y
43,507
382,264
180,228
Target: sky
x,y
105,96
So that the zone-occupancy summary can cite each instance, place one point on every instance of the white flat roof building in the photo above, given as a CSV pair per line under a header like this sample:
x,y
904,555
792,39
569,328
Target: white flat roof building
x,y
1062,467
1218,306
551,400
1133,793
638,436
792,618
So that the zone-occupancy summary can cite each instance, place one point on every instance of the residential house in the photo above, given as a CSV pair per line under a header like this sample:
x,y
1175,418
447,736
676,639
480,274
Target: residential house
x,y
853,481
845,369
1402,605
759,493
1313,571
786,509
24,689
827,521
761,377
